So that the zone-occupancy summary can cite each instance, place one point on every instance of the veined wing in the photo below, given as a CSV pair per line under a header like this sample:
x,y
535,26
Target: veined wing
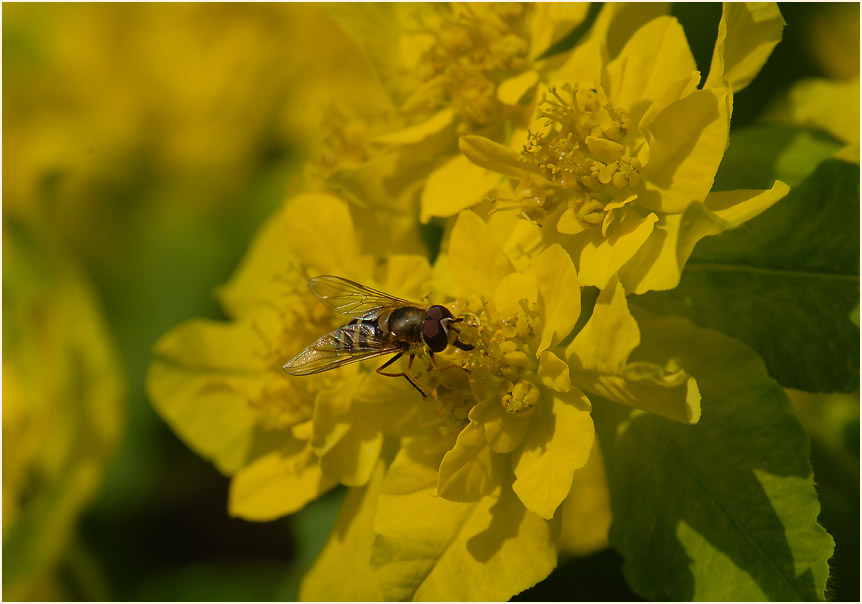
x,y
349,344
352,299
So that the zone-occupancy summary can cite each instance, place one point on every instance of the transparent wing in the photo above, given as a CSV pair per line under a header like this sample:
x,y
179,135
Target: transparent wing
x,y
352,299
348,344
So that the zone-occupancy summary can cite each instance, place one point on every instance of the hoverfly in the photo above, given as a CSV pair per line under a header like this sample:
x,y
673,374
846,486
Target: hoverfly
x,y
382,324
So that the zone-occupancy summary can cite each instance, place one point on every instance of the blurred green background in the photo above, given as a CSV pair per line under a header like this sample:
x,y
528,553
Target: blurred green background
x,y
143,146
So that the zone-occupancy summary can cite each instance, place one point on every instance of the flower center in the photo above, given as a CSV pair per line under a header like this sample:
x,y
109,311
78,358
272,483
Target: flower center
x,y
501,365
282,402
473,51
587,151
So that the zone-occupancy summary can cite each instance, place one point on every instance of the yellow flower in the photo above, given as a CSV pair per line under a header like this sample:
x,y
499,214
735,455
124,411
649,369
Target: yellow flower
x,y
502,434
221,386
620,165
456,69
63,412
511,429
468,60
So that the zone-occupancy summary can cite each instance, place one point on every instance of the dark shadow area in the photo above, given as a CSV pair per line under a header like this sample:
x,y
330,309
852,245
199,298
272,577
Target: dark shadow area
x,y
183,524
594,578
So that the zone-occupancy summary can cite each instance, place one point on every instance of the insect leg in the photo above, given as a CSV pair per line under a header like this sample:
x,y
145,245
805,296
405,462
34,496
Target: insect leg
x,y
459,344
438,368
388,363
406,374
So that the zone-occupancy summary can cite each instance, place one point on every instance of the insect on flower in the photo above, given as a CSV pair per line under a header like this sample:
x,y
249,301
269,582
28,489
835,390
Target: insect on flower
x,y
382,324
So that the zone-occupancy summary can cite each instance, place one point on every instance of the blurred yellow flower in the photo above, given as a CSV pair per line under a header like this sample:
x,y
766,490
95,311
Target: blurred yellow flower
x,y
623,151
124,115
63,412
833,39
828,105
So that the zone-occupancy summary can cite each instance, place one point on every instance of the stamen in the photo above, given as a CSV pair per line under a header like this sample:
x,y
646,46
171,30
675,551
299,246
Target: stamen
x,y
585,152
476,48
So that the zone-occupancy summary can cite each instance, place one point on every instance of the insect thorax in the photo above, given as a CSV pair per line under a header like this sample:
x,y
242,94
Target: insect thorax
x,y
406,324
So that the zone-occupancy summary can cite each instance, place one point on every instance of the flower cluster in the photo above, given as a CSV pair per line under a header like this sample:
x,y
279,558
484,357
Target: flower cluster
x,y
462,494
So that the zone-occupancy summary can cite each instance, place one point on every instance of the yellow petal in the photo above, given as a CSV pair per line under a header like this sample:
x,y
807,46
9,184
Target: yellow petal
x,y
737,207
653,59
503,430
440,122
520,237
477,260
301,230
309,221
554,372
623,19
347,552
561,294
599,258
831,105
558,442
352,459
598,358
487,154
586,512
254,280
468,472
650,387
393,405
455,186
687,140
278,483
605,342
387,181
613,27
569,224
378,32
347,440
413,469
407,276
200,380
222,432
332,417
512,289
552,21
512,90
747,33
582,65
431,549
659,263
403,234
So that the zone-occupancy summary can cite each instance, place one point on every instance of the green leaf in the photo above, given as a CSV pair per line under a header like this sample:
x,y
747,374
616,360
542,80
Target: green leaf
x,y
786,283
722,510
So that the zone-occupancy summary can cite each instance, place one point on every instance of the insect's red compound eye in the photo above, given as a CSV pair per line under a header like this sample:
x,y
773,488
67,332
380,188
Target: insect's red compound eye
x,y
434,331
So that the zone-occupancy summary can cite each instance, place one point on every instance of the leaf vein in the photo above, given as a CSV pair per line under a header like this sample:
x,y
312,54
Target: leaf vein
x,y
681,458
715,266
